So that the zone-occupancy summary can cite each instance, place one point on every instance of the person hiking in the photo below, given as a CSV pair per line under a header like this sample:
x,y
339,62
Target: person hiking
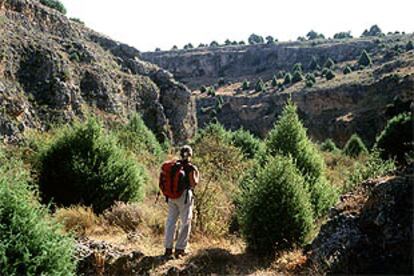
x,y
178,178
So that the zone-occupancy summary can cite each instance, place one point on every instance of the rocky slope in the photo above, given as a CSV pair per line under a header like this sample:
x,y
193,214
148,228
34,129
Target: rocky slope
x,y
53,69
369,231
359,102
204,66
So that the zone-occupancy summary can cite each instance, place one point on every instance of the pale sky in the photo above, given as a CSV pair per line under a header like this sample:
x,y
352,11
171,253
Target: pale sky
x,y
147,24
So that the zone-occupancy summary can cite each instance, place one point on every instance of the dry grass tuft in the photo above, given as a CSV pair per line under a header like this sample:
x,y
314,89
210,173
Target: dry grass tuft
x,y
125,216
78,219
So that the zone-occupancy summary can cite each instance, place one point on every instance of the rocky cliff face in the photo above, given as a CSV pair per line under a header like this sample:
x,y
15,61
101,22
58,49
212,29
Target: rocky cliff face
x,y
359,102
203,66
369,231
53,69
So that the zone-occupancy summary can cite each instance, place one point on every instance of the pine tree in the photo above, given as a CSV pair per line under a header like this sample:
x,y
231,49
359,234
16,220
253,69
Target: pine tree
x,y
288,79
347,70
289,138
364,59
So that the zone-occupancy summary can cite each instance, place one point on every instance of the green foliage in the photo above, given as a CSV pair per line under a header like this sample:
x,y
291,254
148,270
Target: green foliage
x,y
270,40
373,31
77,20
213,130
214,44
203,89
347,70
288,79
310,77
288,137
343,35
260,86
174,48
355,147
211,91
297,76
329,63
329,145
329,74
274,81
255,39
84,165
314,35
246,142
31,243
274,209
396,140
221,82
297,67
222,165
245,85
280,75
364,59
136,137
409,46
372,167
54,4
188,46
227,42
313,65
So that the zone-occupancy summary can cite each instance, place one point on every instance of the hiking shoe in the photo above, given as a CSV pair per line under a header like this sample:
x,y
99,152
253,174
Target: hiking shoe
x,y
168,252
180,253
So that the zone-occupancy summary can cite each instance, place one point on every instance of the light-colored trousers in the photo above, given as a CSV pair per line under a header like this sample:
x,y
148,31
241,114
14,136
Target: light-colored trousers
x,y
178,208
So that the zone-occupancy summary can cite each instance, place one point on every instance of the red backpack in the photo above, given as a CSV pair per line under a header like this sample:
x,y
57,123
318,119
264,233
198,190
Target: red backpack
x,y
174,178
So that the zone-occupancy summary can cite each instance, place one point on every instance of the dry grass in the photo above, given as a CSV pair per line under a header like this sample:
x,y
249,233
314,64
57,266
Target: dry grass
x,y
79,220
125,216
338,167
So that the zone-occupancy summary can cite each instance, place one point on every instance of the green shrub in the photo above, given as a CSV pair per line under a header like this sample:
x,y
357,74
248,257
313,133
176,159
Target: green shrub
x,y
347,70
274,208
373,31
245,85
77,20
355,147
136,137
409,46
372,167
246,142
54,4
396,140
255,39
329,145
83,165
330,75
342,35
288,137
280,75
211,91
364,59
314,35
274,81
203,89
297,67
260,86
297,76
221,82
313,65
222,165
270,40
31,243
329,63
214,131
288,79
